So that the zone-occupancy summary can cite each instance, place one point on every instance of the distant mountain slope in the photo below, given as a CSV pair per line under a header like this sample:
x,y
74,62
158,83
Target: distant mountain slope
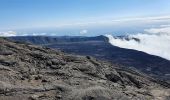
x,y
29,72
54,39
100,48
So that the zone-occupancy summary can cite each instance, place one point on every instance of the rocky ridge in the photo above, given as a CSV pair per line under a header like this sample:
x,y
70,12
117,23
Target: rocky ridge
x,y
29,72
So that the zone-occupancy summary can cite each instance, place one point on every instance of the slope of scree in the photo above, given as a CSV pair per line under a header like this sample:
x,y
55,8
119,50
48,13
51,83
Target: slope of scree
x,y
100,48
29,72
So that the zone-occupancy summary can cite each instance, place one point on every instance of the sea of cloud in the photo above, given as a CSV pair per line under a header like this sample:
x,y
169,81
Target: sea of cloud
x,y
8,33
154,41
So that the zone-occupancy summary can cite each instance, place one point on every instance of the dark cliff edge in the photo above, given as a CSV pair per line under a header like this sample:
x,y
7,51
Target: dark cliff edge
x,y
44,40
29,72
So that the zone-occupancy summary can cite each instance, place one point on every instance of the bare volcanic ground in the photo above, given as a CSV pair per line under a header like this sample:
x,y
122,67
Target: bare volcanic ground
x,y
29,72
100,48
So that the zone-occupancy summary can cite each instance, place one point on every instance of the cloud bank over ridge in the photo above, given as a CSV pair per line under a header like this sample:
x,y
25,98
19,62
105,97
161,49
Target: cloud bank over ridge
x,y
8,33
155,41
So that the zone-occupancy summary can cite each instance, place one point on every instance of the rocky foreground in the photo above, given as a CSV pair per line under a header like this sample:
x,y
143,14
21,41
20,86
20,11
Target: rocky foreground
x,y
29,72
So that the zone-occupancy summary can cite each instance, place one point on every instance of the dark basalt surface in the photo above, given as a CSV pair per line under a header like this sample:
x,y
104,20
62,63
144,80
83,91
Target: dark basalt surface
x,y
29,72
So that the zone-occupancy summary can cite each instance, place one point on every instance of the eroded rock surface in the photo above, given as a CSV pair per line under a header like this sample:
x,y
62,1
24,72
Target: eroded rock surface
x,y
29,72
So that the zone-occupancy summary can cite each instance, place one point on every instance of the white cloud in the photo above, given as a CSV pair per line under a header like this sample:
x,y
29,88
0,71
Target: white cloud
x,y
155,43
166,25
102,21
8,33
162,30
83,32
39,34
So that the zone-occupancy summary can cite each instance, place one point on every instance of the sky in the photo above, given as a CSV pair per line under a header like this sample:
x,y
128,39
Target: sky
x,y
81,17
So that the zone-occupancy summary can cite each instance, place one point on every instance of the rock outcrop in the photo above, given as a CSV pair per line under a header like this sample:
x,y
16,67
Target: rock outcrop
x,y
29,72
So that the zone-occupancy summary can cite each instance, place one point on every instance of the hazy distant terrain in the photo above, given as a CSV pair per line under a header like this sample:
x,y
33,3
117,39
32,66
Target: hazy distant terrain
x,y
100,48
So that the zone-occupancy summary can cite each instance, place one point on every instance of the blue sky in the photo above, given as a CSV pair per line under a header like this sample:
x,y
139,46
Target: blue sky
x,y
70,17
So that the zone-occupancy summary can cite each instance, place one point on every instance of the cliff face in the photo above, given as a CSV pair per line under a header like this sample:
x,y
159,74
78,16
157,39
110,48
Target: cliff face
x,y
44,40
29,72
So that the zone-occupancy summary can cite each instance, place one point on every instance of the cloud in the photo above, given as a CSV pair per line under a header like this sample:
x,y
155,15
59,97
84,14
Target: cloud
x,y
83,32
8,33
102,21
162,30
166,25
39,34
154,43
